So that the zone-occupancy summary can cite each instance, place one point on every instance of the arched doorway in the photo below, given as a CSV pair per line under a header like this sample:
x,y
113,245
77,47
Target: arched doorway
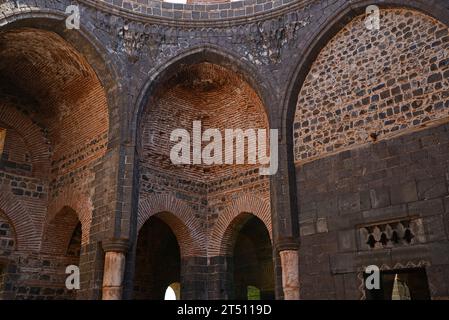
x,y
158,261
7,246
252,261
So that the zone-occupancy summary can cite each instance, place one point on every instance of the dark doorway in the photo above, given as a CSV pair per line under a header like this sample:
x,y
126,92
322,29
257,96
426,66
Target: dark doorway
x,y
402,284
253,271
158,261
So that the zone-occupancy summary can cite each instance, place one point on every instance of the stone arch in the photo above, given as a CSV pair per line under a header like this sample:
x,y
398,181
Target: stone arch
x,y
318,40
84,42
235,215
205,53
27,235
163,73
179,217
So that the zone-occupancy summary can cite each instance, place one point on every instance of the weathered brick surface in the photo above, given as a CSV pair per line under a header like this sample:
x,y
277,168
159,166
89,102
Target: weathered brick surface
x,y
367,85
349,201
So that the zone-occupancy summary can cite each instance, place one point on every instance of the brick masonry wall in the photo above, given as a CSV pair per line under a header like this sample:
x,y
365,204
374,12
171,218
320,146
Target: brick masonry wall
x,y
367,85
34,276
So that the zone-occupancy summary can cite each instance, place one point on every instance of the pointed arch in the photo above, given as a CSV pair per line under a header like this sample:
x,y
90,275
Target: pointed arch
x,y
204,53
321,36
81,205
28,238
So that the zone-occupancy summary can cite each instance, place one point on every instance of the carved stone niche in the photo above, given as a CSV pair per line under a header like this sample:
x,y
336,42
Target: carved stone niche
x,y
391,234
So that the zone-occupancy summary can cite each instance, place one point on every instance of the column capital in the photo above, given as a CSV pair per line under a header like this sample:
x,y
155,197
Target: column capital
x,y
115,245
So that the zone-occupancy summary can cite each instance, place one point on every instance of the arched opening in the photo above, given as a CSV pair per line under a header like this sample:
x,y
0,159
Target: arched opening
x,y
204,100
158,261
252,261
173,292
74,247
2,140
62,246
7,235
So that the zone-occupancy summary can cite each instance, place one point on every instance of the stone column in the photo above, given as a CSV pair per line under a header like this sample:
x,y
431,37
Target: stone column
x,y
114,268
290,274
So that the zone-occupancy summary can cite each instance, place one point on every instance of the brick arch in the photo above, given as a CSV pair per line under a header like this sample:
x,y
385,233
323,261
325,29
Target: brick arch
x,y
234,217
179,217
86,44
5,218
321,36
81,205
27,235
32,135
